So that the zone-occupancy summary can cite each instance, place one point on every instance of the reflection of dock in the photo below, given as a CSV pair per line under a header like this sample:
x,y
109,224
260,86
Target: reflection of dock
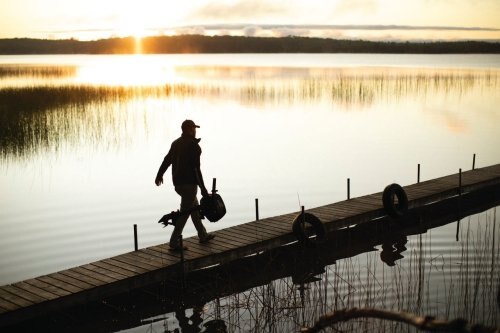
x,y
132,270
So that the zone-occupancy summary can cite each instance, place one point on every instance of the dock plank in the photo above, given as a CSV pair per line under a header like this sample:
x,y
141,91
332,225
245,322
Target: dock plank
x,y
259,234
27,295
82,277
160,256
101,268
48,287
145,261
35,290
7,296
323,214
272,224
95,274
72,281
9,306
204,248
371,202
240,233
3,310
174,257
124,263
59,284
115,267
229,239
210,247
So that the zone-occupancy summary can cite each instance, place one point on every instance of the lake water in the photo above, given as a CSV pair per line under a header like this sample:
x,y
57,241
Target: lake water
x,y
82,138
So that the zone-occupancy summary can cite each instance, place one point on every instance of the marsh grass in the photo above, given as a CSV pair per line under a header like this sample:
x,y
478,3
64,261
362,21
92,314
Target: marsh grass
x,y
37,119
459,284
37,71
363,91
42,116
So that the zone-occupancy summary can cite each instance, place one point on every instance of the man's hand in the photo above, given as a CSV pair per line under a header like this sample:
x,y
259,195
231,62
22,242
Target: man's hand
x,y
158,180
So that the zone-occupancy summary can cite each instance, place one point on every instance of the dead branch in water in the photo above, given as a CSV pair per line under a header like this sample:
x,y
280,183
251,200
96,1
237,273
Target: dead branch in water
x,y
426,323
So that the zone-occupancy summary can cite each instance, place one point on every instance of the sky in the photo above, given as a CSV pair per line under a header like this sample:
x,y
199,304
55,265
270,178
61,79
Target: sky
x,y
348,19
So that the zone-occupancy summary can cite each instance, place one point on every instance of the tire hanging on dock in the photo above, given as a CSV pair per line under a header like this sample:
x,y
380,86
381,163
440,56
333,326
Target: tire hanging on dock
x,y
304,233
395,209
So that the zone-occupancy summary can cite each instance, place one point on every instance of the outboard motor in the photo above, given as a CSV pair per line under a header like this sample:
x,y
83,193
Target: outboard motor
x,y
212,207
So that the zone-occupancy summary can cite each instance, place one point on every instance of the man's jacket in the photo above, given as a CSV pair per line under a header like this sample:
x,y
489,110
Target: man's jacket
x,y
184,156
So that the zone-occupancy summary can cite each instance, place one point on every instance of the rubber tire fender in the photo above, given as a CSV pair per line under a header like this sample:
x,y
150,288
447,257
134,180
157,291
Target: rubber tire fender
x,y
316,224
392,209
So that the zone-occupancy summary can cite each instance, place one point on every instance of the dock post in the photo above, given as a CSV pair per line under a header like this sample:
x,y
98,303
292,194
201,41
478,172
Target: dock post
x,y
474,162
183,277
256,209
348,188
214,183
303,216
136,245
418,173
257,232
460,181
181,245
459,196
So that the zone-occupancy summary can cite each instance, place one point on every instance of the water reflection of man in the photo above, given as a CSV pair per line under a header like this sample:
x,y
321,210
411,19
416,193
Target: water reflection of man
x,y
184,156
392,249
192,324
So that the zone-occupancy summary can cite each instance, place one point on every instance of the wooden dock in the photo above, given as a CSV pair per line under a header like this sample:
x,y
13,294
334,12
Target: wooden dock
x,y
34,297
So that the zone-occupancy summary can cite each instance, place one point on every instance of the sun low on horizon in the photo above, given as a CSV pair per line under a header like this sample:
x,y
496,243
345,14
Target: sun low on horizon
x,y
88,20
356,19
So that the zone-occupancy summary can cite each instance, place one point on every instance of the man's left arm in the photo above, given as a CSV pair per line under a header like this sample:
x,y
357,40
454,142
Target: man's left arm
x,y
167,161
197,171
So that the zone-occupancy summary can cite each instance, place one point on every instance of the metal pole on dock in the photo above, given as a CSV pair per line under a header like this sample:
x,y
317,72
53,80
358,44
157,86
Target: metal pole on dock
x,y
136,245
348,188
183,277
214,183
459,195
460,182
474,162
181,245
256,209
418,173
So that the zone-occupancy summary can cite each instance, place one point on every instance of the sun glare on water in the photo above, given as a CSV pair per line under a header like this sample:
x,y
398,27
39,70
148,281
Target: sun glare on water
x,y
128,70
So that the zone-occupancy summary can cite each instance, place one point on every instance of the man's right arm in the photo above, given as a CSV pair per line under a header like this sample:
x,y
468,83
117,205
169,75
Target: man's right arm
x,y
167,161
197,170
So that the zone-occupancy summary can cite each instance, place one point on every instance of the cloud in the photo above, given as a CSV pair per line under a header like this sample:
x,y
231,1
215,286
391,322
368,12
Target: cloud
x,y
242,9
195,30
368,32
311,27
285,32
250,31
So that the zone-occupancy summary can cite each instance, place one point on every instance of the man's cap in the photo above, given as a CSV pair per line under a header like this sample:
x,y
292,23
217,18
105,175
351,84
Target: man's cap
x,y
188,124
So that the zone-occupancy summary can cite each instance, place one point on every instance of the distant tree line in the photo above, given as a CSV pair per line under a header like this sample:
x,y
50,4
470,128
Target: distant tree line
x,y
236,44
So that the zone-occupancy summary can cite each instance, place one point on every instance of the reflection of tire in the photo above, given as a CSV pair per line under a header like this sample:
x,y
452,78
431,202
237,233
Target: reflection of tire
x,y
303,232
395,191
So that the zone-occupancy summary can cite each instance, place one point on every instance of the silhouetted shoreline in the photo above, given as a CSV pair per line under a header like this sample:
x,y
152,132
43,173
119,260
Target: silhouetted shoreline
x,y
236,44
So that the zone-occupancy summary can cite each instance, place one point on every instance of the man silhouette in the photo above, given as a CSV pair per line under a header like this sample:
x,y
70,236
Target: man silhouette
x,y
184,156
